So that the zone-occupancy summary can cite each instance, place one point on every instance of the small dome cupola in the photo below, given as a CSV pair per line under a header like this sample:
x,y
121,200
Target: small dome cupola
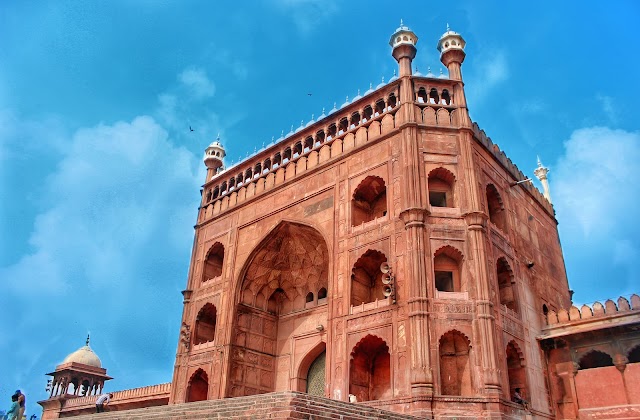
x,y
451,46
85,356
213,156
403,43
450,40
403,35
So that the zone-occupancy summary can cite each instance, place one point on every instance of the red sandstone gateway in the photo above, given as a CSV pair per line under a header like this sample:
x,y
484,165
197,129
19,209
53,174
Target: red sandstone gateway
x,y
286,294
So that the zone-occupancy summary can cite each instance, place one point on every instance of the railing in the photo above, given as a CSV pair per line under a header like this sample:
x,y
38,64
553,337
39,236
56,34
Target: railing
x,y
596,310
364,307
119,396
364,120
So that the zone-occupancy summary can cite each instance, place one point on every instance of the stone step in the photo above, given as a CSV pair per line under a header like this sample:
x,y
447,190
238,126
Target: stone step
x,y
278,405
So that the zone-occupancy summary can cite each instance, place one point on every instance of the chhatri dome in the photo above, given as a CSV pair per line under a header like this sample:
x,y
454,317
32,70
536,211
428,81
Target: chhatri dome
x,y
84,355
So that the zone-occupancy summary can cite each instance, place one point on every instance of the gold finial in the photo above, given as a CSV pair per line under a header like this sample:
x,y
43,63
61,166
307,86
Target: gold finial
x,y
87,342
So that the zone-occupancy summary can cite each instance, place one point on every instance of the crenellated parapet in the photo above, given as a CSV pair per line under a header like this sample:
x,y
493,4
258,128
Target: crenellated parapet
x,y
597,310
511,168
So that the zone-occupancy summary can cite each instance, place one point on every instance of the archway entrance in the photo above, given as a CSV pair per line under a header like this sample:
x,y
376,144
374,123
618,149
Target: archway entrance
x,y
286,267
316,376
370,370
198,387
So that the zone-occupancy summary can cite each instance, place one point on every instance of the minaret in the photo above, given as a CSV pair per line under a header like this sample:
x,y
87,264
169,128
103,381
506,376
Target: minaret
x,y
213,156
451,47
403,41
541,173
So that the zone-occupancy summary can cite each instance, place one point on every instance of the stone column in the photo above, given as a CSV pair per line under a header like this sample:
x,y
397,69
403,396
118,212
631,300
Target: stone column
x,y
476,223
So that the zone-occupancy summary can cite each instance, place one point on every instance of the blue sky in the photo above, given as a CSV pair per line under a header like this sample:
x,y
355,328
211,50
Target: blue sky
x,y
100,175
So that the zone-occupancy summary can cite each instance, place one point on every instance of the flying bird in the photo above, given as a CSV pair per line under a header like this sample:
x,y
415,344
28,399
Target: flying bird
x,y
190,129
309,94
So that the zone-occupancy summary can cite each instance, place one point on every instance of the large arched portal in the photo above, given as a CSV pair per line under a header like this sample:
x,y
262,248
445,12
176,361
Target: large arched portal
x,y
291,262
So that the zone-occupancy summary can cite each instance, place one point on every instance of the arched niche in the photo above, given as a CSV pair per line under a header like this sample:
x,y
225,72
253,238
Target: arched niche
x,y
369,200
198,387
455,368
366,278
370,370
213,262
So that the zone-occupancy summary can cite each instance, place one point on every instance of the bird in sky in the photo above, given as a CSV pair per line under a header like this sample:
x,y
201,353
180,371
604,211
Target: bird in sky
x,y
309,94
190,129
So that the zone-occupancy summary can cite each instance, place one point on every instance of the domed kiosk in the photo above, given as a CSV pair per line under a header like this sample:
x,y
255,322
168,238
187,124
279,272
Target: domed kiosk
x,y
80,374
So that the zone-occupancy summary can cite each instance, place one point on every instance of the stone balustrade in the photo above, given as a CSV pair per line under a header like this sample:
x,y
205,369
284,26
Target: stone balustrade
x,y
145,392
596,310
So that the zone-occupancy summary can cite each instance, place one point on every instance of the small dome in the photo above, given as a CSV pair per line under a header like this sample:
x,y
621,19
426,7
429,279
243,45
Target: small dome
x,y
84,355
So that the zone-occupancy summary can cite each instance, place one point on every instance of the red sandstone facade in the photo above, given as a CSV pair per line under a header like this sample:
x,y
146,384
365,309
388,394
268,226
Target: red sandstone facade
x,y
285,273
388,254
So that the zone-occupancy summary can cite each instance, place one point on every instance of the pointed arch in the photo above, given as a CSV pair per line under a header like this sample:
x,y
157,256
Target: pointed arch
x,y
447,269
441,185
198,388
213,262
370,369
506,285
205,325
315,356
455,368
515,368
369,200
495,205
366,284
595,359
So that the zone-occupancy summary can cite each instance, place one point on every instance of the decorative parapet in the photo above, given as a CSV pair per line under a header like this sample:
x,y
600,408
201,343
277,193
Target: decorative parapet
x,y
122,397
511,168
597,310
338,133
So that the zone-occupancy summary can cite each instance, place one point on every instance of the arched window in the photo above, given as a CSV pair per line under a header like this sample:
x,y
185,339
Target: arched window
x,y
440,184
205,324
446,99
506,284
370,370
434,98
239,179
266,165
277,159
332,131
595,359
198,386
497,215
369,200
308,144
232,184
446,269
343,125
355,119
392,101
515,368
322,293
366,283
455,369
287,155
213,262
258,169
309,297
422,95
320,136
297,149
216,192
367,112
248,174
380,105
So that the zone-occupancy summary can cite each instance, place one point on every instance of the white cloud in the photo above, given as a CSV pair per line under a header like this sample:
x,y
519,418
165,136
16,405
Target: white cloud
x,y
307,14
489,70
197,82
608,107
111,196
596,193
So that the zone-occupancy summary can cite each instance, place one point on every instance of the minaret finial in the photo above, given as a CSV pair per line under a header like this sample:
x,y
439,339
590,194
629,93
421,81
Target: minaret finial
x,y
218,138
87,342
401,23
448,28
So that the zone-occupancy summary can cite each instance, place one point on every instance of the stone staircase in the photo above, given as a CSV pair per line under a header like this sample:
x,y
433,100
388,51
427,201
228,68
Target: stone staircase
x,y
275,405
